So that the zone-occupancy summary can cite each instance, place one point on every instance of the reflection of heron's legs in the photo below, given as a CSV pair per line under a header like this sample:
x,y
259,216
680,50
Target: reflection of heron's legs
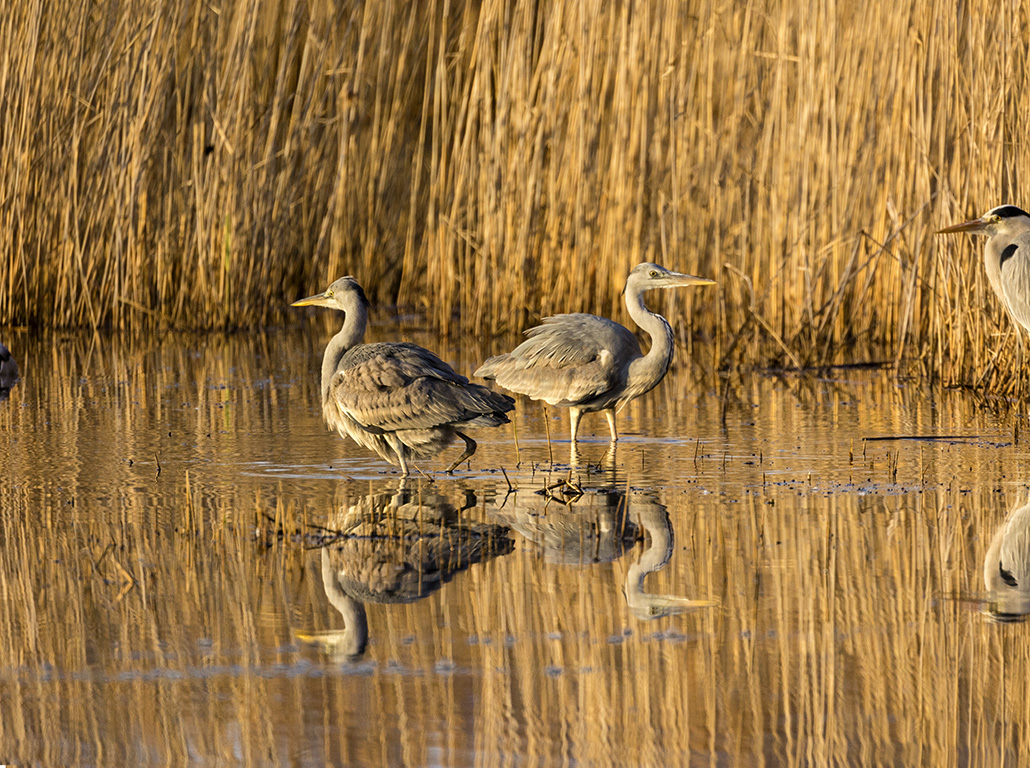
x,y
608,460
398,448
470,448
610,415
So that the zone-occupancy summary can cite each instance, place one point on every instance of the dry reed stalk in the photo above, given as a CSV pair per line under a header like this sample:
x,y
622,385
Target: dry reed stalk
x,y
176,164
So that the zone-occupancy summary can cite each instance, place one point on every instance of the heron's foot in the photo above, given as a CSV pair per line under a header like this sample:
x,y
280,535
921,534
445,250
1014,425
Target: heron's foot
x,y
470,448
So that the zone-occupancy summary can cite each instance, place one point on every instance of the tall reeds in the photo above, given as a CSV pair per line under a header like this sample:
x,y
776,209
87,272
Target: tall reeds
x,y
193,165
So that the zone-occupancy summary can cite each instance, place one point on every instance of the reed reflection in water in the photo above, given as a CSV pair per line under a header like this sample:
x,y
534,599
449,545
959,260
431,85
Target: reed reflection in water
x,y
150,611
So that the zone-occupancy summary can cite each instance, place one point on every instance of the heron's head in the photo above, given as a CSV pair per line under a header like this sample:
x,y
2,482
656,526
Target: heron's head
x,y
646,276
1004,220
344,294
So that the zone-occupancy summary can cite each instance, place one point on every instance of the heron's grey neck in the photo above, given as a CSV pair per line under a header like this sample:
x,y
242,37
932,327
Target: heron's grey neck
x,y
350,335
645,372
992,260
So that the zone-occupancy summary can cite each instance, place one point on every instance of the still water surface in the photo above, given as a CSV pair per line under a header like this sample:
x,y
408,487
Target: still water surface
x,y
193,570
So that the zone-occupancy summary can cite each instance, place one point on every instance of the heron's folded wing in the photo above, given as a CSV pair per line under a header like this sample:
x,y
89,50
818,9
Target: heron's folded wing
x,y
403,386
1015,279
569,359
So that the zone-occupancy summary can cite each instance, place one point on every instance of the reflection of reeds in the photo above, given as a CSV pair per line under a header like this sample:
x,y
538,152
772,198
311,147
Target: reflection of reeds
x,y
185,164
834,644
146,621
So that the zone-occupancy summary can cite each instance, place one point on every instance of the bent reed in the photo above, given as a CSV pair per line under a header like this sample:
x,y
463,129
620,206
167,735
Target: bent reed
x,y
189,165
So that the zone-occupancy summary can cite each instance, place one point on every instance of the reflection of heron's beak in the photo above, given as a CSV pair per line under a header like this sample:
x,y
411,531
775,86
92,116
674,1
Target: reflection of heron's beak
x,y
976,225
660,606
318,300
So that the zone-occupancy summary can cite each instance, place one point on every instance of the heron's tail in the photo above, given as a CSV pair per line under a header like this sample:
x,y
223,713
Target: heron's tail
x,y
484,407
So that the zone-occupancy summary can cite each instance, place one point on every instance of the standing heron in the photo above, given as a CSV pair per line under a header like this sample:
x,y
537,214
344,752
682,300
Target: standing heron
x,y
588,363
1006,256
395,398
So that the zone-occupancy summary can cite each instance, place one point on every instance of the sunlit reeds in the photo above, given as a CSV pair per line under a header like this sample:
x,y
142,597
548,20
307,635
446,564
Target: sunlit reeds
x,y
185,164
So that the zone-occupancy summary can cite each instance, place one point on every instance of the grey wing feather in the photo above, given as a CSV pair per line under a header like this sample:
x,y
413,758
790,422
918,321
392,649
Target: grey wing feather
x,y
389,387
1015,281
569,359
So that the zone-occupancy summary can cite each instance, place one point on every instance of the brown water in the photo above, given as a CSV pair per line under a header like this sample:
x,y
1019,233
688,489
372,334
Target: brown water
x,y
747,581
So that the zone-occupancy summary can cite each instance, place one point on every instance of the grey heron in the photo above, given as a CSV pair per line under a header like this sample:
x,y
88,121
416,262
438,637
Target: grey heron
x,y
395,398
588,363
1006,256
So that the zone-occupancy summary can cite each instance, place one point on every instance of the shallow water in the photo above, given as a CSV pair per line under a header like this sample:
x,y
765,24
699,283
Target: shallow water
x,y
193,569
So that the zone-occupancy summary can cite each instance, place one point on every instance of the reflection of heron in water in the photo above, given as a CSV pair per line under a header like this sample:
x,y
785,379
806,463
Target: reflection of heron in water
x,y
588,363
395,398
654,519
351,641
397,547
8,372
571,525
1007,567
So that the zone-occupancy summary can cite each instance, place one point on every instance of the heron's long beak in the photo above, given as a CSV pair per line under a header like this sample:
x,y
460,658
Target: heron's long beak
x,y
975,225
318,300
676,279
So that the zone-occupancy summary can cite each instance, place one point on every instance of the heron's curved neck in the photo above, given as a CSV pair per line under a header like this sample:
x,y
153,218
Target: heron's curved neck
x,y
645,372
349,336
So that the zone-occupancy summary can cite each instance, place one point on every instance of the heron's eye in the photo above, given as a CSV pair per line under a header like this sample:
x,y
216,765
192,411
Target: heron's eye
x,y
654,273
328,294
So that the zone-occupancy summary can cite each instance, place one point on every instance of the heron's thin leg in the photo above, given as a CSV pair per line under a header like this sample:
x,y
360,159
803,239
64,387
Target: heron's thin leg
x,y
398,448
547,431
610,415
575,414
470,448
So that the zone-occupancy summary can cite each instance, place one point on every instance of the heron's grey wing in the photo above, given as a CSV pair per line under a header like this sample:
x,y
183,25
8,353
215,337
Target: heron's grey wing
x,y
567,360
1015,278
389,387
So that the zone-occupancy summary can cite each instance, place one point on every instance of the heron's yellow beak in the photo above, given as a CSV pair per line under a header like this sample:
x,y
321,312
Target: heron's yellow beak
x,y
679,278
318,300
966,226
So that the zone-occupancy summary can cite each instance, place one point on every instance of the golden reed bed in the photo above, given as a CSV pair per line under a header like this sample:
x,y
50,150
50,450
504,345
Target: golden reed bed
x,y
199,166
